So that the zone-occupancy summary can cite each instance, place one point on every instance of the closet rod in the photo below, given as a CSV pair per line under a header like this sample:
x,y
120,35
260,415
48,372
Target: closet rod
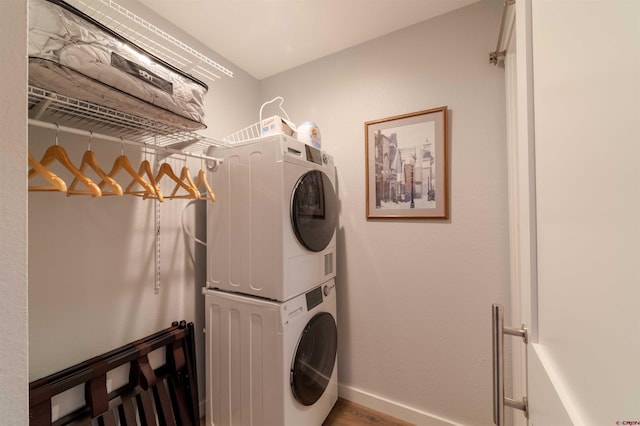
x,y
494,56
164,149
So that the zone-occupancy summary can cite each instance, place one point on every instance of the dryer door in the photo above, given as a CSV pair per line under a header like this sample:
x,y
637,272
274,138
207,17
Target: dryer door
x,y
314,359
314,210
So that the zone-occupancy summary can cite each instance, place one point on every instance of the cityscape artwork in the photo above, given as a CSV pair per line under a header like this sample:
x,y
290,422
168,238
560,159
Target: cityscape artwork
x,y
406,165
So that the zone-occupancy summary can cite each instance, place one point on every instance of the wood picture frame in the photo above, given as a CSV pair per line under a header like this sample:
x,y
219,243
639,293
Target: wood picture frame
x,y
406,166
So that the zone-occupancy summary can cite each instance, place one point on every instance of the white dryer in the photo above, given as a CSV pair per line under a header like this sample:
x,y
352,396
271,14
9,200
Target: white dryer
x,y
271,231
271,363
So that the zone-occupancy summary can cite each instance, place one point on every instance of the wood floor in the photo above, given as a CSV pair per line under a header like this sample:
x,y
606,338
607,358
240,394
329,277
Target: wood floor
x,y
347,413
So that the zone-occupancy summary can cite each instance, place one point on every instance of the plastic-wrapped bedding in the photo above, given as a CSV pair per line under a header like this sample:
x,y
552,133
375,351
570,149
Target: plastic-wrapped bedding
x,y
74,55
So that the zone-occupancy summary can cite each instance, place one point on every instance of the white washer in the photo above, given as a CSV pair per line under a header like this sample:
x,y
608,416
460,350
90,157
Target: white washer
x,y
271,363
271,231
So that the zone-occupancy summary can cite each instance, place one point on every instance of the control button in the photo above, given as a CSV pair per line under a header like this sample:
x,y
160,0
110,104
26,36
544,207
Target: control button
x,y
326,290
325,160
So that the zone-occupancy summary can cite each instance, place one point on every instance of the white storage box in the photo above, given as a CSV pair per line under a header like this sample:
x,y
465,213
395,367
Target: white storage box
x,y
276,125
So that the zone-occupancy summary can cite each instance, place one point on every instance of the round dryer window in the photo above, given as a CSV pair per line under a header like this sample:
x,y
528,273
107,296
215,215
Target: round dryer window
x,y
314,210
314,359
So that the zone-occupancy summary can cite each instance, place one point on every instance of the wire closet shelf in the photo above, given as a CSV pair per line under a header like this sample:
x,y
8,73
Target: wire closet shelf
x,y
54,111
51,107
151,38
47,107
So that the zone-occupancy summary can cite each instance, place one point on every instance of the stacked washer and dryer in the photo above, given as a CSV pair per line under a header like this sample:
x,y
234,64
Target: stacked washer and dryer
x,y
270,302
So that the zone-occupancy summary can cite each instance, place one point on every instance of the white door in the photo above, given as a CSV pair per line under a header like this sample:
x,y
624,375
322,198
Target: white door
x,y
575,200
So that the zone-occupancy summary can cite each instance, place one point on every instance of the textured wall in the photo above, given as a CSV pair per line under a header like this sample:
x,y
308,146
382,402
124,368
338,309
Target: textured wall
x,y
415,296
14,400
91,261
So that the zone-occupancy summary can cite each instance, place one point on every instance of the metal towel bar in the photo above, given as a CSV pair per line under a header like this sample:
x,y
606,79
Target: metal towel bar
x,y
499,400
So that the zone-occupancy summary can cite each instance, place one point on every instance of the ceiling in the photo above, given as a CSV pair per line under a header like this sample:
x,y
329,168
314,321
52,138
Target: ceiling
x,y
265,37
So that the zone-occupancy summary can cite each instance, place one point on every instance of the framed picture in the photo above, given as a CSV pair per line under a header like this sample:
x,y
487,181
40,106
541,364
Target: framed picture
x,y
406,166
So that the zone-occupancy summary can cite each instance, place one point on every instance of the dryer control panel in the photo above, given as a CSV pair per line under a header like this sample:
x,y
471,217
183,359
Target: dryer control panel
x,y
314,298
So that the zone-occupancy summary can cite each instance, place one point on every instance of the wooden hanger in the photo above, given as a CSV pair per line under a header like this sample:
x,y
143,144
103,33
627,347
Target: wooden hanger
x,y
89,159
185,178
123,163
57,184
166,170
202,179
57,153
145,169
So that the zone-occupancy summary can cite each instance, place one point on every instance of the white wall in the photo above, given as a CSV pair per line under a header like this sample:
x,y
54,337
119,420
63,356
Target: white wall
x,y
14,401
415,296
91,261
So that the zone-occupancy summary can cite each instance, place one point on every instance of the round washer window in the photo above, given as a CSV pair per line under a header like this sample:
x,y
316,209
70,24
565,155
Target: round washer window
x,y
314,210
314,359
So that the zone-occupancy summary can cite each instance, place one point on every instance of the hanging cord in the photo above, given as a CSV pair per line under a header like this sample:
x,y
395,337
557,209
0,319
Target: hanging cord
x,y
156,222
186,229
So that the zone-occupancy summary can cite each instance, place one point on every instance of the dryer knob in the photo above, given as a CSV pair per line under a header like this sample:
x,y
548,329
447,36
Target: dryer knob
x,y
326,290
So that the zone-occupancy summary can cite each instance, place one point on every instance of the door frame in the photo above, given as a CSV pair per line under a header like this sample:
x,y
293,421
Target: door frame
x,y
534,374
522,190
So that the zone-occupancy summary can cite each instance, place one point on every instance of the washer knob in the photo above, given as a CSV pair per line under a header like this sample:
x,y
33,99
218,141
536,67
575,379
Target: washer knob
x,y
326,290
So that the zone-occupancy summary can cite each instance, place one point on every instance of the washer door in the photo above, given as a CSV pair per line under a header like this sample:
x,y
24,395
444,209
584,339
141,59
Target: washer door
x,y
314,210
314,359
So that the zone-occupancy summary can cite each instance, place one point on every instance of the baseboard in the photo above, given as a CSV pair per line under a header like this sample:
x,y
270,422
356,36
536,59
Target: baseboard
x,y
378,403
392,408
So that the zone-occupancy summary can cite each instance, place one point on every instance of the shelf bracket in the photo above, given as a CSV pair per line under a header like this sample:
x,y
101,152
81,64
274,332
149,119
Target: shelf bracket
x,y
178,146
39,109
